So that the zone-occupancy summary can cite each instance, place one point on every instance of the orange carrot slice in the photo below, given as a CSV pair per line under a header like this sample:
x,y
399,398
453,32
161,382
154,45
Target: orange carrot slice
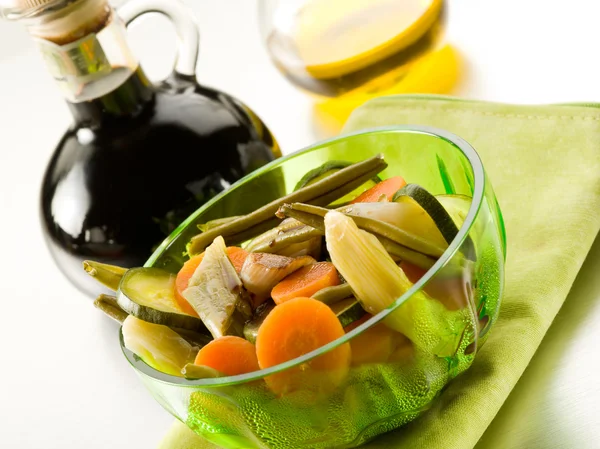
x,y
375,345
378,344
387,187
230,355
451,292
297,327
404,351
305,282
237,256
183,279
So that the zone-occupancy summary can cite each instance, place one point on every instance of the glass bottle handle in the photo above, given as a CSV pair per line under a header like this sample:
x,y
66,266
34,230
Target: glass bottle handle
x,y
188,36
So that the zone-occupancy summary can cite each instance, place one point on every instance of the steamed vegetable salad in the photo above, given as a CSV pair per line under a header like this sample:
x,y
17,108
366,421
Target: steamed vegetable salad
x,y
265,288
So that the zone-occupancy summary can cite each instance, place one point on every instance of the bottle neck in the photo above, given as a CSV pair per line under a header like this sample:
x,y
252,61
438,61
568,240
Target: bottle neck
x,y
127,100
87,54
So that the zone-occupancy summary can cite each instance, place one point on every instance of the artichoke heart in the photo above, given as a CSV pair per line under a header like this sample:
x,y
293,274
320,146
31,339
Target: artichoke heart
x,y
216,293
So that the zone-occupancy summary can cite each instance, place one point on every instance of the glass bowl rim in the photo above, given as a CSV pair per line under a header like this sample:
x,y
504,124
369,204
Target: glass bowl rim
x,y
479,180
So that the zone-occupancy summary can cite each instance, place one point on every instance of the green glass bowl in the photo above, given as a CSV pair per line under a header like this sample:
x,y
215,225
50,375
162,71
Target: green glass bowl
x,y
241,412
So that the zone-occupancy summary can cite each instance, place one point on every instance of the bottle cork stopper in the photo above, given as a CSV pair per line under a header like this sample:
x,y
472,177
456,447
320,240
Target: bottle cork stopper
x,y
70,22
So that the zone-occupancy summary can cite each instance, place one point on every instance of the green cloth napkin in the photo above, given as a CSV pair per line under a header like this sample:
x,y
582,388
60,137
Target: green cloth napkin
x,y
544,164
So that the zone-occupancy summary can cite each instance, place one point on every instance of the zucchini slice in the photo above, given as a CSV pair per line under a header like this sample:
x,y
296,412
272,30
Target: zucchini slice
x,y
432,206
443,219
149,294
348,311
457,207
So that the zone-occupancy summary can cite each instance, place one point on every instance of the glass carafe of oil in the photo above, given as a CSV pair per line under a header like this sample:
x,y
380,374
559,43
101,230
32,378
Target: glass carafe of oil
x,y
138,157
347,51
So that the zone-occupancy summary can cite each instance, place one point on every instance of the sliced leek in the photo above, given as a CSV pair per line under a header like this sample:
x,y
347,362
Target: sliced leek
x,y
159,346
378,282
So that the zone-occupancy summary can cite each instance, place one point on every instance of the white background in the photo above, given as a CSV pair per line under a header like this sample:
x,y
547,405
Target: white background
x,y
63,381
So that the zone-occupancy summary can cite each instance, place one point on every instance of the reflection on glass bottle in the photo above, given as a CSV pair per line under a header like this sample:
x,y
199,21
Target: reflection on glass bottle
x,y
138,158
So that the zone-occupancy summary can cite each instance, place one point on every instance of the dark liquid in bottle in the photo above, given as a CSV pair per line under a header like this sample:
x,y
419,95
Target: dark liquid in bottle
x,y
136,163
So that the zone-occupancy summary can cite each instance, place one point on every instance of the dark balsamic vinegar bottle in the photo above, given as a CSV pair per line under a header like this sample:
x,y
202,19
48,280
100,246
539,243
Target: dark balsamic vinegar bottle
x,y
138,158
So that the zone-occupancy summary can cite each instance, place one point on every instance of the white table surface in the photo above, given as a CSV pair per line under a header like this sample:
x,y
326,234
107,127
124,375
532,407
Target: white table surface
x,y
63,381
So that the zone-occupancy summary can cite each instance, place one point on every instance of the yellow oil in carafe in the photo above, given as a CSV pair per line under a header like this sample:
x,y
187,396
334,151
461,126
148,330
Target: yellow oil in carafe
x,y
347,51
434,73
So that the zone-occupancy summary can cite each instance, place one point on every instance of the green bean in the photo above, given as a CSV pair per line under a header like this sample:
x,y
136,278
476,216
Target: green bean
x,y
286,239
250,232
306,208
341,191
333,295
398,235
263,226
321,193
108,305
313,220
108,275
266,237
218,222
400,252
380,228
314,216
